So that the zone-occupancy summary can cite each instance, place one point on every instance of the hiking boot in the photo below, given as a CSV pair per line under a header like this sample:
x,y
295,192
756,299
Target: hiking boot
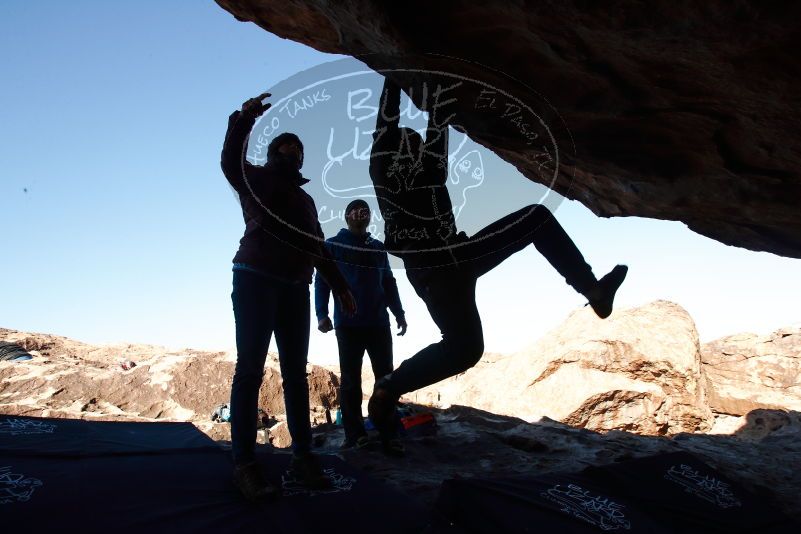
x,y
362,442
393,447
602,296
251,483
381,409
307,471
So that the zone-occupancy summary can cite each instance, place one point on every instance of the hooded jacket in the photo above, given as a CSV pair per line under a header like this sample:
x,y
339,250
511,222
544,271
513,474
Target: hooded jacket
x,y
364,264
282,235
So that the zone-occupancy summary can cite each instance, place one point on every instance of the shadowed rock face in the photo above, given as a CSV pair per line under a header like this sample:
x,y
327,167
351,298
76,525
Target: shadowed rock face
x,y
680,111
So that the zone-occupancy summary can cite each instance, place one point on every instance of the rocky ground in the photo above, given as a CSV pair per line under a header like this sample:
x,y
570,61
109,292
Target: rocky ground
x,y
764,455
589,392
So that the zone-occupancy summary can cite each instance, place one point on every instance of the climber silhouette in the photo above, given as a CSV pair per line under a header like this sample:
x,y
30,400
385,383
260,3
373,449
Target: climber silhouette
x,y
409,175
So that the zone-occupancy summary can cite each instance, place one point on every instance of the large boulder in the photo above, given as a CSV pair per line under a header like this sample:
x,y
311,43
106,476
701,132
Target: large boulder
x,y
747,371
682,111
639,370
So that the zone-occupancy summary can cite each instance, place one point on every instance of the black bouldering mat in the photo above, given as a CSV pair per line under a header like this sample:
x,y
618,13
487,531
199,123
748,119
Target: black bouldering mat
x,y
40,436
163,480
683,492
666,493
558,502
189,493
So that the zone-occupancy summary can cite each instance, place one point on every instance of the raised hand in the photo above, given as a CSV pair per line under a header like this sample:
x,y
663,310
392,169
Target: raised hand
x,y
255,106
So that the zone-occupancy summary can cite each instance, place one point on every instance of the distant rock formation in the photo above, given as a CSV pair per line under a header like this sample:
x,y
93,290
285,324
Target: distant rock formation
x,y
680,111
642,370
639,371
747,371
72,379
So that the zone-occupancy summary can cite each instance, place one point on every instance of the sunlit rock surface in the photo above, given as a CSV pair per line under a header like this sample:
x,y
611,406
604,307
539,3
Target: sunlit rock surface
x,y
71,379
639,370
749,371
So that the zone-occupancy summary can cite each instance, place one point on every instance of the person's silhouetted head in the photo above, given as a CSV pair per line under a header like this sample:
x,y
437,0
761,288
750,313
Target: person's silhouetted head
x,y
357,216
286,147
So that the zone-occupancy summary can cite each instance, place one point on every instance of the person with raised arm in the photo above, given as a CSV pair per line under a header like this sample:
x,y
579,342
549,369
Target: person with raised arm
x,y
281,246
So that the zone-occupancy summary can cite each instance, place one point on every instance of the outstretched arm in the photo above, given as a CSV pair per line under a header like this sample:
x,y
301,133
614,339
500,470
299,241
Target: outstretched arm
x,y
232,159
385,137
435,152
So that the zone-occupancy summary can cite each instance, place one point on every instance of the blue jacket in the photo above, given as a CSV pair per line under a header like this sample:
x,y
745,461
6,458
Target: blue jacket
x,y
370,279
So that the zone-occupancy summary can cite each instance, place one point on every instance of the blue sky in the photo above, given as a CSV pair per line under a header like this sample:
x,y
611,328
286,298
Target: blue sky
x,y
117,224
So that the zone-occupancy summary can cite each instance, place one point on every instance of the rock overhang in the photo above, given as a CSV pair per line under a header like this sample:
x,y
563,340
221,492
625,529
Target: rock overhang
x,y
677,112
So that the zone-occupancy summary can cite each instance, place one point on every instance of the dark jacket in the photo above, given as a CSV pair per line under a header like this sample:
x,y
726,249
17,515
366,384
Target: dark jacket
x,y
411,188
368,274
282,236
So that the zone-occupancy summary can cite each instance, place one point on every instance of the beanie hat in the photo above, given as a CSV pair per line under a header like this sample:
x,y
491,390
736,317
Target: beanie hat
x,y
356,204
281,139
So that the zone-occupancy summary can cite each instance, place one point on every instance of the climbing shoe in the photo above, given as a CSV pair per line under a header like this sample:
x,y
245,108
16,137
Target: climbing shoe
x,y
362,442
251,483
381,409
306,470
602,296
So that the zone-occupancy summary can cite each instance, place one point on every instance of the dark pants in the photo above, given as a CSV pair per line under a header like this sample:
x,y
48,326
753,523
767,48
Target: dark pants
x,y
450,292
353,342
263,306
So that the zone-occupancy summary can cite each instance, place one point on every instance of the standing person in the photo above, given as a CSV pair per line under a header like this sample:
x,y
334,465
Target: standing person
x,y
272,271
365,265
442,264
